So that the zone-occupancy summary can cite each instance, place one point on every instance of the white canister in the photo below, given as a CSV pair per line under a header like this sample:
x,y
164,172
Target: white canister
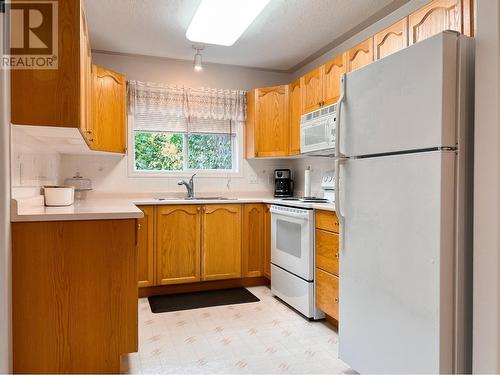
x,y
59,195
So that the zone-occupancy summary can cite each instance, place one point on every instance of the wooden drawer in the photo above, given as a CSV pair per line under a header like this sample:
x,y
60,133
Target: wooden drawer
x,y
327,293
327,251
327,220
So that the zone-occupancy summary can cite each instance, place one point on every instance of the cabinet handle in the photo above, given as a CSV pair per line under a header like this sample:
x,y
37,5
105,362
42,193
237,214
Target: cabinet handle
x,y
199,209
337,255
336,299
139,226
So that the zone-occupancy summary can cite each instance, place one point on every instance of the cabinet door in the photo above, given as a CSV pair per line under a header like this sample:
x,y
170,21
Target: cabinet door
x,y
295,113
178,247
312,90
437,16
253,240
145,247
267,242
327,293
109,110
221,242
272,121
391,39
333,70
360,55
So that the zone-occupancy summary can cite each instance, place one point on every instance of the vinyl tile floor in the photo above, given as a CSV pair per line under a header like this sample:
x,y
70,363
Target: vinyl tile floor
x,y
265,337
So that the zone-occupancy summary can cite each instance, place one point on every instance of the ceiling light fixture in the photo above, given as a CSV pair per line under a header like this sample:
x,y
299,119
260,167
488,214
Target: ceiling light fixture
x,y
198,63
223,21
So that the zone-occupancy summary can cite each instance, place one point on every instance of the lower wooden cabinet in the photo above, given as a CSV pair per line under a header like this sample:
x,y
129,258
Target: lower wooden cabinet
x,y
178,235
184,243
327,293
145,247
221,244
267,241
253,240
327,251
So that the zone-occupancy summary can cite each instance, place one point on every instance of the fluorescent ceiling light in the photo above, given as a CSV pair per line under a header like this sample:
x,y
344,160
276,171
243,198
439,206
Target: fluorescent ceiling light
x,y
223,21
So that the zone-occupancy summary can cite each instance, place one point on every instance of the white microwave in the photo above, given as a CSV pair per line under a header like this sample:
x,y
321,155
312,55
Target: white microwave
x,y
317,131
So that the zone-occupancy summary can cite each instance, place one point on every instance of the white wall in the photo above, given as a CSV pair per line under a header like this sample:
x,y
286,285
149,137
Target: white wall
x,y
5,252
154,69
486,327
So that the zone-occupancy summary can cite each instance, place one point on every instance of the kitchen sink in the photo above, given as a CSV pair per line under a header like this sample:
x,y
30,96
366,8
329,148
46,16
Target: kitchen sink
x,y
208,198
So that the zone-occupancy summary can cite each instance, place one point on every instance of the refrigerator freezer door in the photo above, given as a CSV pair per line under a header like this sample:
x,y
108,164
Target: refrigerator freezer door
x,y
406,101
396,264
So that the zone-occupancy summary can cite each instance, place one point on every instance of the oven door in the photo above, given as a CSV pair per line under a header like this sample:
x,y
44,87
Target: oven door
x,y
292,247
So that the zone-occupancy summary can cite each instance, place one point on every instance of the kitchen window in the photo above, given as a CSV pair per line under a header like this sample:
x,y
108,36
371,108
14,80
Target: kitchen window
x,y
175,129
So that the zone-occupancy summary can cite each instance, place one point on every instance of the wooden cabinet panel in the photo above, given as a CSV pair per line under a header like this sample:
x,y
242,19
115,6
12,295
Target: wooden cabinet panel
x,y
360,55
109,110
295,113
327,220
52,97
391,40
221,242
327,293
145,247
74,295
267,244
267,125
332,71
86,81
327,251
178,244
437,16
312,90
253,240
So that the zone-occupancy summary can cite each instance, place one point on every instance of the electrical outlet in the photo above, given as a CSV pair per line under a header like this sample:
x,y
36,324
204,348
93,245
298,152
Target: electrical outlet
x,y
253,179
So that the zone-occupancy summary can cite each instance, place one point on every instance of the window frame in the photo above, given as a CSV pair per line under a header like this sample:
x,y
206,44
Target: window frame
x,y
237,156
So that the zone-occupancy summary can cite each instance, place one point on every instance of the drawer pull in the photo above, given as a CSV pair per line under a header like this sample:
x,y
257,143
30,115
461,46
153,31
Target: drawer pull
x,y
337,255
336,300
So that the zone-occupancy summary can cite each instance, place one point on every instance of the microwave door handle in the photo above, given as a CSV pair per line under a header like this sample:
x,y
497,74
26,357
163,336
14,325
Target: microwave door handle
x,y
339,154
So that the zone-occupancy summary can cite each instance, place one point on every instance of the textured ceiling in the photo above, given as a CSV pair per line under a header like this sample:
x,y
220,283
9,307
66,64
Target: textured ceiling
x,y
284,34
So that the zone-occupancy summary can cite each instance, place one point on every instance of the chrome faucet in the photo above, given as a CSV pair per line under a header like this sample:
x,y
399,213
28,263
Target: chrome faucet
x,y
189,186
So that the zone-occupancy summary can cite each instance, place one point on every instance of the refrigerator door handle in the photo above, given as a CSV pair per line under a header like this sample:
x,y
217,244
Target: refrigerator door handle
x,y
339,154
338,209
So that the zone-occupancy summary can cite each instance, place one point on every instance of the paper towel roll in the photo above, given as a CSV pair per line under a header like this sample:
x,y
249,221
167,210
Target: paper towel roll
x,y
307,182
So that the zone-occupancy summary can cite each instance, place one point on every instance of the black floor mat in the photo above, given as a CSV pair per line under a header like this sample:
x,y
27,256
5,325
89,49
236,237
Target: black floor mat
x,y
198,300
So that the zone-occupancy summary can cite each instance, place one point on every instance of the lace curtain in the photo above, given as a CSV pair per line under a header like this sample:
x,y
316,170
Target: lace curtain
x,y
158,107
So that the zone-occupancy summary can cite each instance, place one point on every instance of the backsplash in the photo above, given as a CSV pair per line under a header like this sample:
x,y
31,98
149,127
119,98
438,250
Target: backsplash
x,y
34,163
110,174
319,165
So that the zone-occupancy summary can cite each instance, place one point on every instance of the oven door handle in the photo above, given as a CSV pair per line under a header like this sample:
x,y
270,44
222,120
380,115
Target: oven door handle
x,y
295,215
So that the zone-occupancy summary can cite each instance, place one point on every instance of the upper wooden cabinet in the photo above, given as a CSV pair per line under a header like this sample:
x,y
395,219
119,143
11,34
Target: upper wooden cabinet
x,y
253,240
360,55
221,242
145,247
322,86
267,126
109,110
437,16
178,244
312,90
332,72
295,113
391,40
55,97
86,81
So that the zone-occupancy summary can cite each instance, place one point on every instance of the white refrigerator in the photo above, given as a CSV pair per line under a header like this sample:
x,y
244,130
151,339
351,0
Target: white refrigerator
x,y
404,185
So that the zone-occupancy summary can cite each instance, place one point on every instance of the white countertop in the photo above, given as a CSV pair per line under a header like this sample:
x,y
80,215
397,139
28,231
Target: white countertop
x,y
33,209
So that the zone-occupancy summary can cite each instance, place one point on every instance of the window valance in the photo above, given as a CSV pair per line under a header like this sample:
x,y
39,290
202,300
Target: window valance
x,y
159,107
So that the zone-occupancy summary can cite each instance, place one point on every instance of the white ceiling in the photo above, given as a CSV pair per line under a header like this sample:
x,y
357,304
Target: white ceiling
x,y
282,36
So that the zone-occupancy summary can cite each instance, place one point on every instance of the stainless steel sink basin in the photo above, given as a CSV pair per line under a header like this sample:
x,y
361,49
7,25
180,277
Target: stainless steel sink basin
x,y
208,198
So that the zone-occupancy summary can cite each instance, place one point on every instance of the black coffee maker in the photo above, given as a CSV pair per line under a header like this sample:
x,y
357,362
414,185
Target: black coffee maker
x,y
283,183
